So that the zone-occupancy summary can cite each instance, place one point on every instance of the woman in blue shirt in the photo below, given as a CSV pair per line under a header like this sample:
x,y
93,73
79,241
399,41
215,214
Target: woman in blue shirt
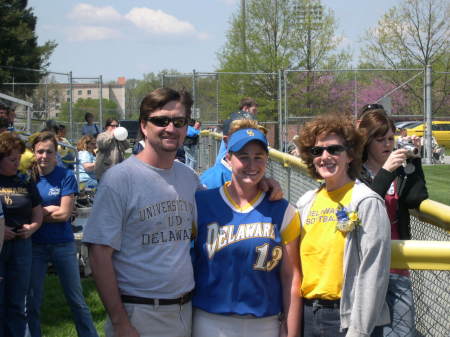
x,y
86,160
54,241
246,257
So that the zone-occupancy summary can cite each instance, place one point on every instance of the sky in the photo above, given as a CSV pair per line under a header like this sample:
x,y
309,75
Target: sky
x,y
130,38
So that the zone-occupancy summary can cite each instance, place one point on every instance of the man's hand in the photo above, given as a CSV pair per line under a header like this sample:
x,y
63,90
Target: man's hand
x,y
272,186
125,330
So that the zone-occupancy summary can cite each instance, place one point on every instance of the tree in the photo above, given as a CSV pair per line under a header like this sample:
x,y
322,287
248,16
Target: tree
x,y
110,109
279,34
18,45
415,33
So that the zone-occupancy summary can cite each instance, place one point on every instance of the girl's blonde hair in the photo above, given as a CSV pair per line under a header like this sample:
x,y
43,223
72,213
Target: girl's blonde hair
x,y
240,124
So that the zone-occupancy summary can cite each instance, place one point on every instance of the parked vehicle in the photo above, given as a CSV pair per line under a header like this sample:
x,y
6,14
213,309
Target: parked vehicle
x,y
440,130
407,124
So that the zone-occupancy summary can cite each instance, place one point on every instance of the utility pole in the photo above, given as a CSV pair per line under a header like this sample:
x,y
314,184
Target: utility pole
x,y
243,34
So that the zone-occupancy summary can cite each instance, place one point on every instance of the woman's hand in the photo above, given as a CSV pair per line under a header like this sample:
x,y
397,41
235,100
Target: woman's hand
x,y
9,234
395,160
27,230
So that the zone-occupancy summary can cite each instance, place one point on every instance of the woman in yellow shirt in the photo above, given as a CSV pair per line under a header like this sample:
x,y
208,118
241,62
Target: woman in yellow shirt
x,y
345,236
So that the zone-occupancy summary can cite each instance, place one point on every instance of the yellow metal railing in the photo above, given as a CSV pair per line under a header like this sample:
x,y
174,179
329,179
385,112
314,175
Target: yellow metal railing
x,y
406,254
435,213
420,255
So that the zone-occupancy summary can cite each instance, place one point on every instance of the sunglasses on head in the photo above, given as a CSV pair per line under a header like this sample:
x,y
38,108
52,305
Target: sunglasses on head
x,y
373,106
316,151
163,121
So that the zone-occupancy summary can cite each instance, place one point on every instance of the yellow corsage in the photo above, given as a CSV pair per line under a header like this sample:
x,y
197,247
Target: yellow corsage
x,y
346,221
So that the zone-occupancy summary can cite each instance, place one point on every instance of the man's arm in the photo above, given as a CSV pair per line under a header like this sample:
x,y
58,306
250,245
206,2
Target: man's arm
x,y
100,258
104,141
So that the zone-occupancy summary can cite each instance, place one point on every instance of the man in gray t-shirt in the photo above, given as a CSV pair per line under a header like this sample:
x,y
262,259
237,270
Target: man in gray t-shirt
x,y
140,228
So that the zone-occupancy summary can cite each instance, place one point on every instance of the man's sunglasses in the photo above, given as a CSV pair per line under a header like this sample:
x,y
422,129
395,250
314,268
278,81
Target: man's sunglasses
x,y
316,151
163,121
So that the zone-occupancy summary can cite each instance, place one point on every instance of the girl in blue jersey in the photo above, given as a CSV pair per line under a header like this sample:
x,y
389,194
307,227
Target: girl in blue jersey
x,y
54,241
246,250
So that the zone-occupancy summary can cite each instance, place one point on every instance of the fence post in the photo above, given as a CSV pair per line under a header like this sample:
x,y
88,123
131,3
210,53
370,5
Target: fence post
x,y
428,116
70,106
217,97
194,94
280,114
100,83
29,112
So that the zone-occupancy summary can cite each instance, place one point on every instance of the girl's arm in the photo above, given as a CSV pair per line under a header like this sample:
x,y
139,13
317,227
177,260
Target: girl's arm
x,y
290,283
60,213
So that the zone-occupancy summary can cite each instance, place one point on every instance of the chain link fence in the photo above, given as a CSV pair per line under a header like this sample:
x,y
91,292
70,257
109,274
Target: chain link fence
x,y
431,288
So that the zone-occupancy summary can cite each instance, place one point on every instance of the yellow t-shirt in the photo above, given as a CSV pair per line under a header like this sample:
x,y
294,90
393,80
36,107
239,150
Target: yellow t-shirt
x,y
322,246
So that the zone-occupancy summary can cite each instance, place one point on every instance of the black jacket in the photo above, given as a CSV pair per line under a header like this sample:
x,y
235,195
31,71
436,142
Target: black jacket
x,y
411,190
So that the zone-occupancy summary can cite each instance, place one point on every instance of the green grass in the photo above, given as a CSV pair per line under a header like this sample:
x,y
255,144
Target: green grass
x,y
56,318
438,182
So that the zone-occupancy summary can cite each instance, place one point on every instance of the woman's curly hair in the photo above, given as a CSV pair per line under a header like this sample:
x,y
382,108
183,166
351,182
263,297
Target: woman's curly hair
x,y
83,142
341,125
10,141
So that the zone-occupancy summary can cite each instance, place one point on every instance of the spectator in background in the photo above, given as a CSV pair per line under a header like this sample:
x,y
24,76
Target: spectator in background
x,y
23,216
218,174
3,110
402,185
191,142
248,108
138,146
4,124
90,128
54,241
86,156
9,113
66,153
110,150
403,138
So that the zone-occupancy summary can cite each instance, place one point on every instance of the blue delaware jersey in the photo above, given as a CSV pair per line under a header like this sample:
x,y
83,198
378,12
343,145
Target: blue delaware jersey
x,y
238,253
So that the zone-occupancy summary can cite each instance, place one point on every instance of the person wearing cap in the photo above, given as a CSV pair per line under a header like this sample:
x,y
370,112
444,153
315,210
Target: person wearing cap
x,y
218,174
246,257
110,148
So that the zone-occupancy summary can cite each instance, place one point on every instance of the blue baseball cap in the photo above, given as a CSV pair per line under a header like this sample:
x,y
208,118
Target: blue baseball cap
x,y
240,138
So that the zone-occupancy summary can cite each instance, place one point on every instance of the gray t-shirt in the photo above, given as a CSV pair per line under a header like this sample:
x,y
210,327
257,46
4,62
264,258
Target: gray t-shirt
x,y
146,214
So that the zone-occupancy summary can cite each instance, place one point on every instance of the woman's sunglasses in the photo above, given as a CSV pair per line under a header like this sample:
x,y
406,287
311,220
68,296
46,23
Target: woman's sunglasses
x,y
163,121
316,151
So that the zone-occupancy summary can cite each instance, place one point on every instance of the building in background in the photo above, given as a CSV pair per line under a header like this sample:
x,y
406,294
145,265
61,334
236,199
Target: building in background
x,y
112,91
